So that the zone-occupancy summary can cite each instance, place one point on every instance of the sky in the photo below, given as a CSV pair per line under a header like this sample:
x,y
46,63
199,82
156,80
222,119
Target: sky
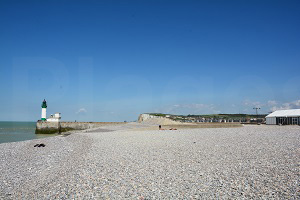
x,y
112,60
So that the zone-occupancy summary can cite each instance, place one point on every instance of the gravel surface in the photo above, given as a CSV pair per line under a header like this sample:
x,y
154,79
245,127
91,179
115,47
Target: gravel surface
x,y
117,163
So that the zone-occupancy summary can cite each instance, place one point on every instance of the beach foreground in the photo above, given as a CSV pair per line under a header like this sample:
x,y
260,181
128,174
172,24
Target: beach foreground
x,y
117,162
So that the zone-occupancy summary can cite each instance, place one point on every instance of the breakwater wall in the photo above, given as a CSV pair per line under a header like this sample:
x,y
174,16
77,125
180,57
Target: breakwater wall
x,y
46,127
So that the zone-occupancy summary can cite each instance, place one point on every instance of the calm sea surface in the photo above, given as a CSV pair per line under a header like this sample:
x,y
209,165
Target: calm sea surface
x,y
18,131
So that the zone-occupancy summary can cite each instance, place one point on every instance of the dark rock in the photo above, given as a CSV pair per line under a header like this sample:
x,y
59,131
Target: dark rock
x,y
40,145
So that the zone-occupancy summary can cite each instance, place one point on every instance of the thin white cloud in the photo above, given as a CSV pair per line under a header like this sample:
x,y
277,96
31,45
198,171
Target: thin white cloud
x,y
81,111
244,107
252,103
297,103
272,103
286,106
193,108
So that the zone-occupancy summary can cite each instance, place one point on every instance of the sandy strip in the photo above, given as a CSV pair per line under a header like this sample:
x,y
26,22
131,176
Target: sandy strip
x,y
247,162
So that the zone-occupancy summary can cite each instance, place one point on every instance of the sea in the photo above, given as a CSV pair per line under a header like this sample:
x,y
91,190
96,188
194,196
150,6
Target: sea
x,y
18,131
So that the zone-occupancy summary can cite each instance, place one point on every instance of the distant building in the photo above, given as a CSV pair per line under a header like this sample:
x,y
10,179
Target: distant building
x,y
284,117
54,118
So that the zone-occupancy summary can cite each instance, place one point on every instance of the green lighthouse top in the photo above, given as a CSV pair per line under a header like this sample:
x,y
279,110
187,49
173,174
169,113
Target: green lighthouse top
x,y
44,104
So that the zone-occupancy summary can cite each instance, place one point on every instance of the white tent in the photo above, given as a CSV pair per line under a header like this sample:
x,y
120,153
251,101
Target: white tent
x,y
291,116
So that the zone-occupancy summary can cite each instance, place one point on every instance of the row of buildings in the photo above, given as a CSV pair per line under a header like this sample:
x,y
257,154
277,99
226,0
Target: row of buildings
x,y
222,119
218,118
279,117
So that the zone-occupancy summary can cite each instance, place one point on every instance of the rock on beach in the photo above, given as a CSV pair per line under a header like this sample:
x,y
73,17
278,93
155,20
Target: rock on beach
x,y
120,162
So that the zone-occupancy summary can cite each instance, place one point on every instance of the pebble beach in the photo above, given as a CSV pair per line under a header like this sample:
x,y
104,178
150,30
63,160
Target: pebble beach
x,y
120,162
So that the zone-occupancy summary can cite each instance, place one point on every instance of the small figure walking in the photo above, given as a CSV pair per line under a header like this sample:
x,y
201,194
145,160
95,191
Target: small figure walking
x,y
159,127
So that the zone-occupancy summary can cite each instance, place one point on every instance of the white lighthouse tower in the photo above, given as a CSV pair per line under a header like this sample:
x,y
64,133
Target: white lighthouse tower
x,y
44,110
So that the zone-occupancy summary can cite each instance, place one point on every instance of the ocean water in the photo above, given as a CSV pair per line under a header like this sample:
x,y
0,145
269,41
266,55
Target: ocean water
x,y
18,131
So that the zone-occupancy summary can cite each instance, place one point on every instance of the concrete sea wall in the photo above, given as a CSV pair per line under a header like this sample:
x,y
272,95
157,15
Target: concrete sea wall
x,y
46,127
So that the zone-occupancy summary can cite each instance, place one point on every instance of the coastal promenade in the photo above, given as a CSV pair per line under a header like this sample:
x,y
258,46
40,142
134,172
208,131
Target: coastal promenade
x,y
136,162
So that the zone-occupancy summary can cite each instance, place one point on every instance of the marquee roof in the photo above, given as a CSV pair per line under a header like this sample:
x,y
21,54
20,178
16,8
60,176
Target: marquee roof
x,y
285,113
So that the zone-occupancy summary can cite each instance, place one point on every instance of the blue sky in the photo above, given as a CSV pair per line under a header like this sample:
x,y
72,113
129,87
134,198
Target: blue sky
x,y
112,60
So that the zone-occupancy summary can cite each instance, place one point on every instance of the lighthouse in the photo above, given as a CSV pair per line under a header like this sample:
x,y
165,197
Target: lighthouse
x,y
44,109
